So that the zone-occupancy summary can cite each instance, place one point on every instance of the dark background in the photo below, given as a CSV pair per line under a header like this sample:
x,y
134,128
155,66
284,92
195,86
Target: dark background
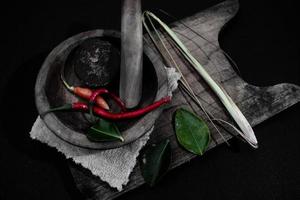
x,y
263,39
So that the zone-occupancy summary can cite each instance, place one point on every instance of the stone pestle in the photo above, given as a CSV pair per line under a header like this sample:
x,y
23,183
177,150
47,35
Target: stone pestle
x,y
131,71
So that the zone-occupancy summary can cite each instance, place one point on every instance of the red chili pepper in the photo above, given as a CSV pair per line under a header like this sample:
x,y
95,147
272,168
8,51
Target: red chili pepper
x,y
118,101
126,115
131,114
85,93
112,116
98,92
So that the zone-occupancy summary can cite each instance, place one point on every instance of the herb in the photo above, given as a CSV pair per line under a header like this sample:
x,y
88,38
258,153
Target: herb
x,y
191,131
104,131
155,162
245,129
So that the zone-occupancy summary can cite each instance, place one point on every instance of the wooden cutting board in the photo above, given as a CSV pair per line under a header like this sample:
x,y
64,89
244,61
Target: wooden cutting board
x,y
257,103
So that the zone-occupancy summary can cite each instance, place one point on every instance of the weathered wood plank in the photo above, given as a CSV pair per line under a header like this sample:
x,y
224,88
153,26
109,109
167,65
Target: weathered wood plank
x,y
257,103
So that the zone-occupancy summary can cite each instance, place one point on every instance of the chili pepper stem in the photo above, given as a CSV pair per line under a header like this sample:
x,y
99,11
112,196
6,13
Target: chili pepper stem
x,y
61,108
90,105
69,87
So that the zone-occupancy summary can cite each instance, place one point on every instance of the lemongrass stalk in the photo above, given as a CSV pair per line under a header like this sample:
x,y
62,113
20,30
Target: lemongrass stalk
x,y
246,130
183,81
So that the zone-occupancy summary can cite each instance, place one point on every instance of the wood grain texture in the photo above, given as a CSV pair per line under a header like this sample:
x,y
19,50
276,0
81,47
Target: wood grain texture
x,y
257,103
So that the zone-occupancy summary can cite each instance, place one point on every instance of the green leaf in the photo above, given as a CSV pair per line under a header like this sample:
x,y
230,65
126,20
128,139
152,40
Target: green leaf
x,y
155,162
191,131
104,131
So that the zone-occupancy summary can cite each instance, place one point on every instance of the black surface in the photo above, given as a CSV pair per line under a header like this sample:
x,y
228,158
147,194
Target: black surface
x,y
264,41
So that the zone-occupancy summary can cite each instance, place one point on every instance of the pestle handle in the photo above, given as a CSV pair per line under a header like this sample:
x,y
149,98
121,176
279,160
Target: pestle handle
x,y
131,72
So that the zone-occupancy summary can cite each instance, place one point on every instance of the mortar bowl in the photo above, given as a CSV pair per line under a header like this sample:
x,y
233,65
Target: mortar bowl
x,y
72,126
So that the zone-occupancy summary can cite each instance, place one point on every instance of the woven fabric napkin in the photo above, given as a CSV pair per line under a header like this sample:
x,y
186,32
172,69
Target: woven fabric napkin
x,y
112,166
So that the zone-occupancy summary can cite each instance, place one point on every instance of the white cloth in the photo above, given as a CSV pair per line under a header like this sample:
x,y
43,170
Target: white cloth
x,y
112,166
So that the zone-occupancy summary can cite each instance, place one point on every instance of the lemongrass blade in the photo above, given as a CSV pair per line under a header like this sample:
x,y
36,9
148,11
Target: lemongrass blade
x,y
237,130
230,106
183,81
